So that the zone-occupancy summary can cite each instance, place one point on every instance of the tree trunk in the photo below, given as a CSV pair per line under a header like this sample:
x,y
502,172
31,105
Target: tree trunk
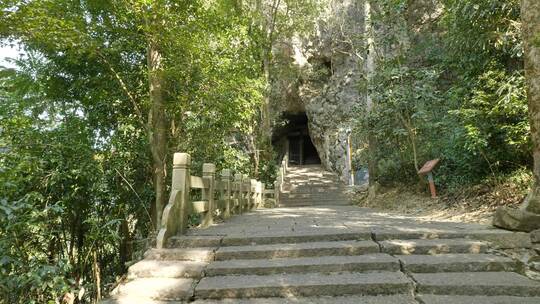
x,y
370,71
157,128
530,15
527,218
97,276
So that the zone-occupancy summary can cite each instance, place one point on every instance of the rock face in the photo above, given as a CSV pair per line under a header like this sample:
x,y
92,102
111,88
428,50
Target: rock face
x,y
516,219
324,73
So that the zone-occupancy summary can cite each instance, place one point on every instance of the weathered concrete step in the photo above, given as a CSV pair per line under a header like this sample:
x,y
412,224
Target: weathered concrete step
x,y
181,254
327,235
321,191
320,204
456,263
297,250
156,289
313,201
496,237
166,269
434,246
434,299
300,194
393,299
310,183
312,284
326,264
314,186
315,196
308,203
194,241
476,283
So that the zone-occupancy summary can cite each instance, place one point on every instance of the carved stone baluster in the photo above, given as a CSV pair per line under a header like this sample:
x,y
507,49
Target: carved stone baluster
x,y
209,172
226,191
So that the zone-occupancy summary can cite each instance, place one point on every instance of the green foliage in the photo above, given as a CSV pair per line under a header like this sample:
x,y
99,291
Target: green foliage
x,y
75,161
449,88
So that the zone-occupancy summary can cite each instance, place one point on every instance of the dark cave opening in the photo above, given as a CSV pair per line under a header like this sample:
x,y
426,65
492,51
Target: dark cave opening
x,y
293,138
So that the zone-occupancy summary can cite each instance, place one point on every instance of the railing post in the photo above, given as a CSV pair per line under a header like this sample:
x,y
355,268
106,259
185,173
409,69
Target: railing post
x,y
226,191
262,190
254,193
239,191
247,181
209,171
277,185
174,218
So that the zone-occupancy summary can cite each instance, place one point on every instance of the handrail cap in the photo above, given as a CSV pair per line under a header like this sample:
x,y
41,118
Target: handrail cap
x,y
181,159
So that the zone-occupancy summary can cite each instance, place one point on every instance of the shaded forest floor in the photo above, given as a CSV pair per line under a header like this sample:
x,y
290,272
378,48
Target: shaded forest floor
x,y
469,204
473,204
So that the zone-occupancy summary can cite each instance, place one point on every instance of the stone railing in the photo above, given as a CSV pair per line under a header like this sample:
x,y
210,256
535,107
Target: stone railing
x,y
282,172
222,196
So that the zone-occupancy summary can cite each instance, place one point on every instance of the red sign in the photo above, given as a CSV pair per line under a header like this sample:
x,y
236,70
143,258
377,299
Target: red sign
x,y
429,166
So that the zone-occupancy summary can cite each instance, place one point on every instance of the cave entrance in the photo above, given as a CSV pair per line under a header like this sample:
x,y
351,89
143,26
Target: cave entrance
x,y
298,143
302,151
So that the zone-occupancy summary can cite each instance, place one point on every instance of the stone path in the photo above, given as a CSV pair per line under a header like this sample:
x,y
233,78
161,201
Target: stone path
x,y
332,254
311,186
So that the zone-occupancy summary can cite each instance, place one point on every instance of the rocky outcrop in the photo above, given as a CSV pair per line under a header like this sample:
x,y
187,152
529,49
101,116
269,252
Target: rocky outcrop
x,y
323,80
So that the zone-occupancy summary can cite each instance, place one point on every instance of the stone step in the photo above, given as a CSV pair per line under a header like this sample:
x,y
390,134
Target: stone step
x,y
456,263
156,289
311,201
433,246
310,183
327,235
313,196
434,299
166,269
476,283
393,299
181,254
311,249
311,284
326,264
307,203
329,198
496,237
194,241
315,191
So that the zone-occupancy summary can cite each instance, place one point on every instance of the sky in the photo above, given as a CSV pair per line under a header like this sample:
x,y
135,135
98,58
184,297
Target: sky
x,y
8,52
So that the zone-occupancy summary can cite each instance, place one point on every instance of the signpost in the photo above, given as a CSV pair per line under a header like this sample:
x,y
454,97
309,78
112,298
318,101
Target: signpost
x,y
427,169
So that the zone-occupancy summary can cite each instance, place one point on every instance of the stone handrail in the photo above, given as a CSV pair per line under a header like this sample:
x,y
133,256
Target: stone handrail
x,y
235,195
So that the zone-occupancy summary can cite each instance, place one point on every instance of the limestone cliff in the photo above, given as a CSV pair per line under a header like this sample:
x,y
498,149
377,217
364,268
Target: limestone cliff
x,y
322,79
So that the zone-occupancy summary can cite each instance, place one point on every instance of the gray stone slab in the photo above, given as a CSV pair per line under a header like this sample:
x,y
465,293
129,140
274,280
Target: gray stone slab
x,y
476,283
433,299
137,300
157,289
312,284
435,246
408,233
371,262
297,250
181,254
456,263
195,241
535,236
315,235
166,269
395,299
501,238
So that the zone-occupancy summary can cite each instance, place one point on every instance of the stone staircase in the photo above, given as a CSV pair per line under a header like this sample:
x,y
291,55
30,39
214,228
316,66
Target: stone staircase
x,y
311,185
374,266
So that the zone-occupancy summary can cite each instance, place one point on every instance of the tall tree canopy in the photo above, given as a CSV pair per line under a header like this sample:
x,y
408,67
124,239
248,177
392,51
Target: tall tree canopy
x,y
105,93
